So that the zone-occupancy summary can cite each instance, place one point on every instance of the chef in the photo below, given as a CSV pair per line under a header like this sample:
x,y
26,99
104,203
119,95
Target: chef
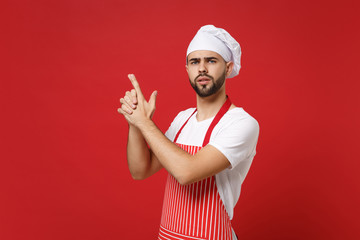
x,y
207,150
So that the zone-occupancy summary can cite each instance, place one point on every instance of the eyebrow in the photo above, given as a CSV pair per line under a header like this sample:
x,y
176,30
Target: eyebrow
x,y
206,58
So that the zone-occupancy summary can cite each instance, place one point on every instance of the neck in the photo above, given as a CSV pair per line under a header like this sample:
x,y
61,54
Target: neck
x,y
207,107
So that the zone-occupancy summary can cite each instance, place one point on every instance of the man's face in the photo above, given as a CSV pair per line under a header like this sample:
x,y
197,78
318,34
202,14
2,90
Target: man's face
x,y
207,72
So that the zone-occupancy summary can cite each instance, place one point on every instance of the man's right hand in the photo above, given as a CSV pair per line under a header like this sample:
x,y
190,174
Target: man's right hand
x,y
134,107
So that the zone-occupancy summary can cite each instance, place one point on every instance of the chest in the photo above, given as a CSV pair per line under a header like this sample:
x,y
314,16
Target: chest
x,y
194,132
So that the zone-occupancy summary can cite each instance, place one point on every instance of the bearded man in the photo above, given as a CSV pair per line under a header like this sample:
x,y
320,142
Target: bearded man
x,y
207,150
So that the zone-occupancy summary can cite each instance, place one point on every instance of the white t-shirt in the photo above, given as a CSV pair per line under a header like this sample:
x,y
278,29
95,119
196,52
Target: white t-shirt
x,y
235,136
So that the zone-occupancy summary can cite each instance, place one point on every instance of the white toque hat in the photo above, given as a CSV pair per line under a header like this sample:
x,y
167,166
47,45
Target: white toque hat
x,y
220,41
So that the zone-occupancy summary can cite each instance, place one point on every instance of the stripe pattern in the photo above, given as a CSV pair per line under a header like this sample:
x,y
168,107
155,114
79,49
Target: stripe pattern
x,y
193,211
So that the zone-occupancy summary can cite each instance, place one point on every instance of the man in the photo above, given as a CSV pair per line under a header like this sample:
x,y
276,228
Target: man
x,y
207,151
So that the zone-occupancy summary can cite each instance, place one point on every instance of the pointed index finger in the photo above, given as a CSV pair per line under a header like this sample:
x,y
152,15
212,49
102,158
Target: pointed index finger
x,y
135,84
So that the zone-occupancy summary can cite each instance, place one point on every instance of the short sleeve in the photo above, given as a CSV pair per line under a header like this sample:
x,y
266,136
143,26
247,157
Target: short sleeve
x,y
236,136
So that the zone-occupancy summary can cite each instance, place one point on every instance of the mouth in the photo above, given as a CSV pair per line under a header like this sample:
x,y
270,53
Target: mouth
x,y
203,80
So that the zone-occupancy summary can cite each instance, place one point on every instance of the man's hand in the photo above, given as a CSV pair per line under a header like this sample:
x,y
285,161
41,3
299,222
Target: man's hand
x,y
134,107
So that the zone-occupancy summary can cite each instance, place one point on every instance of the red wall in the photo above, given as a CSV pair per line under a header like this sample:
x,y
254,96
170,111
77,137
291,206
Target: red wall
x,y
63,68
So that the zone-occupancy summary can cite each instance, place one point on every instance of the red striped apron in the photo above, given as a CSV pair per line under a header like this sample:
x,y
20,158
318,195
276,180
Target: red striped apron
x,y
195,211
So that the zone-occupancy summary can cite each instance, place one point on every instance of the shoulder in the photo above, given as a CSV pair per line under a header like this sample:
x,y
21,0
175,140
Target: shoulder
x,y
178,121
238,118
182,116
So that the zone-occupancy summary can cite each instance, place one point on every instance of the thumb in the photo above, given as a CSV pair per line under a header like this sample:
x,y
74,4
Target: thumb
x,y
152,100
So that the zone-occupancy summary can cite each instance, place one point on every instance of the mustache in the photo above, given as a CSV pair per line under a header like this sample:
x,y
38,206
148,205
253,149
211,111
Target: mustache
x,y
204,75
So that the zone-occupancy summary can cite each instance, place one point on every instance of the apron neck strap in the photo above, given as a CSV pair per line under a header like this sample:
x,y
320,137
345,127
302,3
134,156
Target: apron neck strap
x,y
225,107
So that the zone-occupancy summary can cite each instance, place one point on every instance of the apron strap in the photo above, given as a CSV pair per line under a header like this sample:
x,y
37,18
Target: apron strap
x,y
225,107
178,133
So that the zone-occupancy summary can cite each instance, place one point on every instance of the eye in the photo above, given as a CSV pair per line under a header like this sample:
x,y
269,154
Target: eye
x,y
194,62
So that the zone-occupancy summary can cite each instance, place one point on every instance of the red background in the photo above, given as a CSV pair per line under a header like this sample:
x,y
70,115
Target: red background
x,y
63,172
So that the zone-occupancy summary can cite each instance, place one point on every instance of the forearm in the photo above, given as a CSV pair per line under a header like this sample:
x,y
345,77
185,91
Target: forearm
x,y
139,156
175,160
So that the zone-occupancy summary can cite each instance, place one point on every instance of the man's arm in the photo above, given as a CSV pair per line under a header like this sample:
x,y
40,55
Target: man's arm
x,y
186,168
142,162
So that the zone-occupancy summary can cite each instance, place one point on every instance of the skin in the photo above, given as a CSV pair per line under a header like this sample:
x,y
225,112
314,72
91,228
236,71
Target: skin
x,y
205,69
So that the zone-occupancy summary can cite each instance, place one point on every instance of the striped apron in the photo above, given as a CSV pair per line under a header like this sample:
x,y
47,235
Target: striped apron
x,y
195,211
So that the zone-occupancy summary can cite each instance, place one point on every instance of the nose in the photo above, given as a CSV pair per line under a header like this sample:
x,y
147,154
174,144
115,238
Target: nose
x,y
202,67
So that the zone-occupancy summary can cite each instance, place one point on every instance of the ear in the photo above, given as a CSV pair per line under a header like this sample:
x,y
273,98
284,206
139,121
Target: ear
x,y
187,68
229,68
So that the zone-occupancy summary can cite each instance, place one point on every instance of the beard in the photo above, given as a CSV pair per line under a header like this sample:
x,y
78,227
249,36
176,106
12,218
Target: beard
x,y
208,89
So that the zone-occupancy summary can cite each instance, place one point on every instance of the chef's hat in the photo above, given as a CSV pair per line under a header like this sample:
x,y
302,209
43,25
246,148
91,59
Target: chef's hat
x,y
220,41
